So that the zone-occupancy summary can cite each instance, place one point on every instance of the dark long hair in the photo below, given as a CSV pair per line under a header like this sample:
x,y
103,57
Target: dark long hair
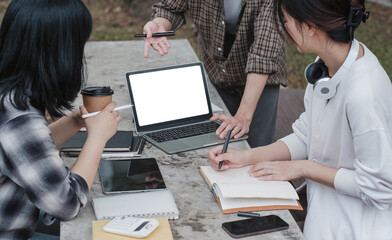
x,y
41,53
328,15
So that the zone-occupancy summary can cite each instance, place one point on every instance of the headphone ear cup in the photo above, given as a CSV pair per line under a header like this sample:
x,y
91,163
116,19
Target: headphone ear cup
x,y
324,89
316,71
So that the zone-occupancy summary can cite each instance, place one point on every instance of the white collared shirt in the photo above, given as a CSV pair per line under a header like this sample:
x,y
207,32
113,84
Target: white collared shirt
x,y
351,132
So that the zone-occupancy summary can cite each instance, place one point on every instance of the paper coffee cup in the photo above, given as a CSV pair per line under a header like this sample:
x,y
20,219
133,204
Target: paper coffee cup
x,y
96,98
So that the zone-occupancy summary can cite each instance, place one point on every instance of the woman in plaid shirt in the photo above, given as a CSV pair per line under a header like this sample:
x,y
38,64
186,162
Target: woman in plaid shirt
x,y
41,70
243,54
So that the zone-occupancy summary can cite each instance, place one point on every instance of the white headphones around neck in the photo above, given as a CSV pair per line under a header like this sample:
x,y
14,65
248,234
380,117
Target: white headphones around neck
x,y
316,73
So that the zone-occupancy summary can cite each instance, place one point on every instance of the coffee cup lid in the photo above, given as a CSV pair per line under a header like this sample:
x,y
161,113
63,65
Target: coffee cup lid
x,y
97,91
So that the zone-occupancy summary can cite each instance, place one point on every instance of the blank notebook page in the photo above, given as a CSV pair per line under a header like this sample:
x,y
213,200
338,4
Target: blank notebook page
x,y
260,189
228,176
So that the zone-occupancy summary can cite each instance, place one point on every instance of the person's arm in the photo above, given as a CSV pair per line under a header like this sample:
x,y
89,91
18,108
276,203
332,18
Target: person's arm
x,y
276,151
34,164
371,178
241,121
265,57
167,14
100,129
290,170
65,127
291,147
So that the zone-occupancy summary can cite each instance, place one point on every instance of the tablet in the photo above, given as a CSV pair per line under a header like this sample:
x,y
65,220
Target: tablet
x,y
130,175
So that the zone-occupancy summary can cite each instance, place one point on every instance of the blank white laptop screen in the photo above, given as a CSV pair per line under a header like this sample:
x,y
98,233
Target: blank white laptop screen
x,y
167,95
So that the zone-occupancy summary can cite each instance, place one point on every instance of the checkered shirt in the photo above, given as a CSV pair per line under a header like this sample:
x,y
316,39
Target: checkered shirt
x,y
258,47
32,175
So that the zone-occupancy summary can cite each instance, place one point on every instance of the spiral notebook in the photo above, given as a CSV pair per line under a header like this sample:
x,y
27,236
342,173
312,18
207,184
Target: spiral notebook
x,y
159,203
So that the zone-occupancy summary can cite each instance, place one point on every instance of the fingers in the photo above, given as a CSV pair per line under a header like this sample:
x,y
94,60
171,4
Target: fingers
x,y
266,171
261,173
147,29
241,133
215,157
221,129
160,47
235,131
83,110
221,117
115,114
163,47
225,126
270,178
224,167
146,49
166,42
238,126
110,107
222,157
213,153
118,119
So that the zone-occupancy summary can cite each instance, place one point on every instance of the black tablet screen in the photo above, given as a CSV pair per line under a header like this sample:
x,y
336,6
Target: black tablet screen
x,y
130,175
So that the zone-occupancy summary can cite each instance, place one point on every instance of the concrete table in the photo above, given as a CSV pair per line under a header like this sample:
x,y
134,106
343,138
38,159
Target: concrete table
x,y
200,216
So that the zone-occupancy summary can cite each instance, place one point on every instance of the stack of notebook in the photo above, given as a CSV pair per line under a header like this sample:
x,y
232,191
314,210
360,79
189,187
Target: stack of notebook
x,y
122,141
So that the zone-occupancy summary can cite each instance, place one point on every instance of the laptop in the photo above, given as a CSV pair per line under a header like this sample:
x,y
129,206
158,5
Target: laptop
x,y
172,108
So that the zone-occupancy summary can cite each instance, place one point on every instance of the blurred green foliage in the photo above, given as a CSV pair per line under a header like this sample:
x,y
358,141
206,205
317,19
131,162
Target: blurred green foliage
x,y
118,20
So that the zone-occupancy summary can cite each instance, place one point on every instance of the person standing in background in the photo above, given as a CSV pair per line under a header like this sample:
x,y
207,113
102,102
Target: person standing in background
x,y
243,54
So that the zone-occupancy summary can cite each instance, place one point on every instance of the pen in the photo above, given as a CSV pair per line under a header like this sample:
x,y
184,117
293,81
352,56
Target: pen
x,y
141,145
225,147
248,214
158,34
119,155
115,109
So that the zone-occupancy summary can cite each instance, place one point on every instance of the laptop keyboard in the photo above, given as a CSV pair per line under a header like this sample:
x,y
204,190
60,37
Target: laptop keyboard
x,y
183,132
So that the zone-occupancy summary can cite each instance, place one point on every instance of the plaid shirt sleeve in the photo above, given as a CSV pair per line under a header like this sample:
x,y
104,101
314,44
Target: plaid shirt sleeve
x,y
33,163
268,47
172,10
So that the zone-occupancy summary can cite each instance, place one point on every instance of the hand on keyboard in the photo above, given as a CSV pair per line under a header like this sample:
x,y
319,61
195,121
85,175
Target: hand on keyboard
x,y
239,125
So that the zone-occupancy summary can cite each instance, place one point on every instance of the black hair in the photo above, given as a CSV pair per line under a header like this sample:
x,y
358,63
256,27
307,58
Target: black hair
x,y
330,16
41,53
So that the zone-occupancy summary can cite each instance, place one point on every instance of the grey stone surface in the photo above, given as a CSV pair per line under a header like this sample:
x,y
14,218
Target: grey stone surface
x,y
200,216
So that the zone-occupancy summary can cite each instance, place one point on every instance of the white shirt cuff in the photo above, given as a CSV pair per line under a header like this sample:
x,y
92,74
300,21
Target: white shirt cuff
x,y
344,182
296,147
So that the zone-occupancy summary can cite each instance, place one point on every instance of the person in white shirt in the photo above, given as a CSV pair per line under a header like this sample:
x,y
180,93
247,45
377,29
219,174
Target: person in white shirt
x,y
342,143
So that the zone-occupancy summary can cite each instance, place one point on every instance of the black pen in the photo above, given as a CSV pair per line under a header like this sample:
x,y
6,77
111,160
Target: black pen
x,y
248,214
158,34
225,147
141,145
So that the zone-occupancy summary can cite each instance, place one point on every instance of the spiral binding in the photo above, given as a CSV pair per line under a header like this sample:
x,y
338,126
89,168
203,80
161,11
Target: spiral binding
x,y
169,215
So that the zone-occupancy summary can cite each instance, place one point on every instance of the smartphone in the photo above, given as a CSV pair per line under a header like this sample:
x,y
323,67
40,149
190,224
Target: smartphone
x,y
254,226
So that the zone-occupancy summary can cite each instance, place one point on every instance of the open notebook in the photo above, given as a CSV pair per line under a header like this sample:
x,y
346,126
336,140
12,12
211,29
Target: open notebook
x,y
236,191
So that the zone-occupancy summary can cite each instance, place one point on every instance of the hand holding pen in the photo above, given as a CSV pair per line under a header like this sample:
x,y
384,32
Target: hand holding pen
x,y
224,150
154,36
232,158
